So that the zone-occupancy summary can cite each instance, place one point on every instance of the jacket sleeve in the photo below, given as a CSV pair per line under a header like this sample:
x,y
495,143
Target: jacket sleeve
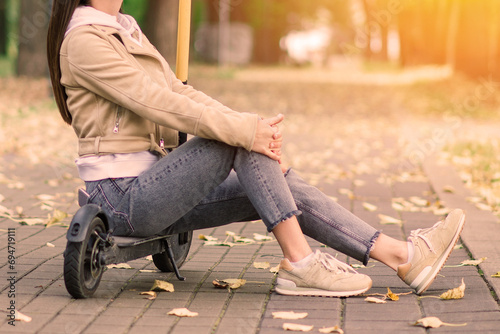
x,y
98,67
196,95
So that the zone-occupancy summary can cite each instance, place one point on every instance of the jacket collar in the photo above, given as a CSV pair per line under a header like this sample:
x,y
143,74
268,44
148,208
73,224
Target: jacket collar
x,y
133,48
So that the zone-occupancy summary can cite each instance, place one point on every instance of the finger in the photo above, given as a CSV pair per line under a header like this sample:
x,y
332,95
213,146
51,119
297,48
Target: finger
x,y
275,119
275,145
273,155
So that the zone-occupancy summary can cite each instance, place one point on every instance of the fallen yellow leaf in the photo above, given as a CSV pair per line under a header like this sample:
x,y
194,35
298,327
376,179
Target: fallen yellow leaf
x,y
151,294
119,266
388,220
289,315
30,221
375,300
369,207
456,293
473,262
56,217
449,189
392,296
182,312
261,265
334,329
261,237
275,269
496,275
347,192
297,328
230,283
433,322
159,285
218,243
44,197
206,237
22,317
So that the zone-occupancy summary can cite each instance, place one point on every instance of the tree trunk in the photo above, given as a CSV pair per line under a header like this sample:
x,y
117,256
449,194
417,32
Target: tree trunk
x,y
33,25
161,27
3,27
271,27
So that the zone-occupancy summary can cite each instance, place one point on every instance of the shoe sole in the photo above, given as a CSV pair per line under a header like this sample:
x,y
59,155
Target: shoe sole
x,y
432,276
297,291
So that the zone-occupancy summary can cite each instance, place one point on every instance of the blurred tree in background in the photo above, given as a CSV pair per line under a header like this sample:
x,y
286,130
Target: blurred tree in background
x,y
3,27
464,34
32,35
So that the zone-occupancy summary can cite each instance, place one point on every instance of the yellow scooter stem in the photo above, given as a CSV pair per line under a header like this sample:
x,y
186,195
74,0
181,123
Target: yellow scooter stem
x,y
183,36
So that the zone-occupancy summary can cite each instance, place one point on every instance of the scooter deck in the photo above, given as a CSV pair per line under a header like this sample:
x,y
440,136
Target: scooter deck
x,y
133,241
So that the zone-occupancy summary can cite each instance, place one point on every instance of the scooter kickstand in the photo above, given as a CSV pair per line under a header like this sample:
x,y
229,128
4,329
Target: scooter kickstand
x,y
172,260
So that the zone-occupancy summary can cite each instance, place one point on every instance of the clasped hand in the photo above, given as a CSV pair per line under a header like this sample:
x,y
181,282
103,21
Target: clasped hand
x,y
268,138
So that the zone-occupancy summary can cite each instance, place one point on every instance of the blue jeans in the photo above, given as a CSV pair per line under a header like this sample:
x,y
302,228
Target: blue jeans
x,y
205,183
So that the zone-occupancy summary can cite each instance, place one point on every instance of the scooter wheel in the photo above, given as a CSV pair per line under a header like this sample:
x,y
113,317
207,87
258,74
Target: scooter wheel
x,y
82,267
180,244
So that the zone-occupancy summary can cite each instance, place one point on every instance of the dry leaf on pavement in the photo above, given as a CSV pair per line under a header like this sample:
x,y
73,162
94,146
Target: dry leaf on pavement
x,y
434,322
206,237
473,262
261,237
369,207
388,220
56,217
456,293
159,285
151,294
275,269
375,300
218,243
289,315
182,312
22,317
4,212
44,197
392,296
229,283
334,329
449,189
297,328
119,266
29,221
261,265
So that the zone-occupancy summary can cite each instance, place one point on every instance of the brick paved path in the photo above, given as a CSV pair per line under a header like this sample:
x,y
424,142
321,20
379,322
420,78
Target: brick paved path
x,y
117,306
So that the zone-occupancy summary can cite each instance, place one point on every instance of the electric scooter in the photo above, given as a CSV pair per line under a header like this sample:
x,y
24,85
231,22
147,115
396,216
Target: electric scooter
x,y
91,245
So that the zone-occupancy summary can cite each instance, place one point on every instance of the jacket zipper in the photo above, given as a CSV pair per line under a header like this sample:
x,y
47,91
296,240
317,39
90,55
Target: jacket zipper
x,y
117,120
161,142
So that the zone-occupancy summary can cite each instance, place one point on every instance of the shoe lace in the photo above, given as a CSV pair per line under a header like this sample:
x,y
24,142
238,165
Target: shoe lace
x,y
333,264
422,234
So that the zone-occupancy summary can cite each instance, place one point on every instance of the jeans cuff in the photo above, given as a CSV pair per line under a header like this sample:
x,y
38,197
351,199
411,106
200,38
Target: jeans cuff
x,y
372,246
270,227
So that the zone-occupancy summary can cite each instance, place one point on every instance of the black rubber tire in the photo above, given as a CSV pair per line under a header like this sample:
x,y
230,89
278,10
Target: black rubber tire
x,y
180,244
82,270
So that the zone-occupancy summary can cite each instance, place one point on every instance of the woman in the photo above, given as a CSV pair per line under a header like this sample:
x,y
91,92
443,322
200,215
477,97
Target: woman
x,y
127,108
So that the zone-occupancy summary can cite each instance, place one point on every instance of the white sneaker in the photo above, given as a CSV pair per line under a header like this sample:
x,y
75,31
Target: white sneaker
x,y
432,248
325,276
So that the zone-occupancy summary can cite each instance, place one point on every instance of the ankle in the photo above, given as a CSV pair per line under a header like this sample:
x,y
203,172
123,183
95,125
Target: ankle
x,y
304,262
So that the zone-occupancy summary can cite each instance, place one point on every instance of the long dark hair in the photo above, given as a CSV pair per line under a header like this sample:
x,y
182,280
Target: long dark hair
x,y
62,11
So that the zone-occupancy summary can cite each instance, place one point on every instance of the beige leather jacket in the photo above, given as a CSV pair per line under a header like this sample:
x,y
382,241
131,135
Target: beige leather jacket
x,y
124,98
